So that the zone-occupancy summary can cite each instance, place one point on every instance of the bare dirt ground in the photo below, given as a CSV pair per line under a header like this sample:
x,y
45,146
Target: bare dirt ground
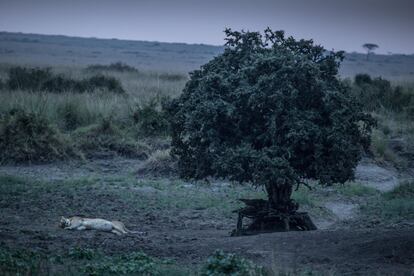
x,y
187,223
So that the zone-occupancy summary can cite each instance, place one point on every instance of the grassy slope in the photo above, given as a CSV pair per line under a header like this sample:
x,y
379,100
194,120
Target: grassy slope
x,y
74,51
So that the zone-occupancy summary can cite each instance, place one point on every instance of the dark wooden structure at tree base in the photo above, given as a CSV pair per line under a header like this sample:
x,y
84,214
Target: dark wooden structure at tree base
x,y
265,219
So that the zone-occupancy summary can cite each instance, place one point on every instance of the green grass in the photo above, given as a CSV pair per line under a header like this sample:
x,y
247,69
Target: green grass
x,y
84,261
403,191
148,195
355,189
393,206
304,197
135,115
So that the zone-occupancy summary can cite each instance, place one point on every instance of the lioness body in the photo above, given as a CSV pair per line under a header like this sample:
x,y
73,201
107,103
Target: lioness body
x,y
79,223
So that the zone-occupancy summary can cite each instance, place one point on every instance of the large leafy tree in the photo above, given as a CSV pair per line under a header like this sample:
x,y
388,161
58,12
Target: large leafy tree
x,y
269,111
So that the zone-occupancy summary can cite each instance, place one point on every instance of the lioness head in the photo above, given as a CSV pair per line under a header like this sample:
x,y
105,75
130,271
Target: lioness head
x,y
64,222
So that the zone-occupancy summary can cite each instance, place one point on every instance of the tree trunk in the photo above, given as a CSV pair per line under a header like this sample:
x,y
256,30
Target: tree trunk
x,y
279,197
278,213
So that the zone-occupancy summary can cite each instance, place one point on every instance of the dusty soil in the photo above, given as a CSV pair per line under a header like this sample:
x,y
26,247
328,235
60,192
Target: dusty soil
x,y
29,218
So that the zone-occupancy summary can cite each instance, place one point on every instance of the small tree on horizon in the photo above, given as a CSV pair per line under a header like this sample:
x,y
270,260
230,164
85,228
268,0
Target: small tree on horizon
x,y
370,47
269,111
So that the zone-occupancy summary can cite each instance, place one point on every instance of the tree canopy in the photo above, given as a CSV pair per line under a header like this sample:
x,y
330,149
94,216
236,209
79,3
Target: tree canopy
x,y
270,111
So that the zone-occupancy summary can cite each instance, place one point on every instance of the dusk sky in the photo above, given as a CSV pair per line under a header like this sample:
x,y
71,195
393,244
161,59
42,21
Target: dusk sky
x,y
339,25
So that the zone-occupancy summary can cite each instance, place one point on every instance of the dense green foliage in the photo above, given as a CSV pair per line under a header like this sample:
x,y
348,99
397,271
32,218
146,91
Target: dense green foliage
x,y
43,79
27,137
221,263
82,261
270,110
377,93
106,138
151,118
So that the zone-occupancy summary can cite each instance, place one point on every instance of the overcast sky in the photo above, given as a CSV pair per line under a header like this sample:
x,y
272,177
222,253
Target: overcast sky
x,y
335,24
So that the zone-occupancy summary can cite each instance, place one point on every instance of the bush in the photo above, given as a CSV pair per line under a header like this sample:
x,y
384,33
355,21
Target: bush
x,y
106,138
101,82
70,115
19,262
221,263
79,253
378,93
136,263
42,79
269,111
29,138
117,66
151,119
28,79
160,164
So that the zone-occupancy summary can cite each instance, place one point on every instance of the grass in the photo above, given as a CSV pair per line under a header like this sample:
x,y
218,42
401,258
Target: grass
x,y
394,206
133,116
108,138
304,197
168,197
29,138
392,140
159,163
355,190
140,89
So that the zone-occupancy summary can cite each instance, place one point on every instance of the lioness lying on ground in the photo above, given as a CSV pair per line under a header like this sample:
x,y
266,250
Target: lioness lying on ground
x,y
79,223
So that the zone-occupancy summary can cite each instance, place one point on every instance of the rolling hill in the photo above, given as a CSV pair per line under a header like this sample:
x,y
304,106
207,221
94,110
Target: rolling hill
x,y
58,50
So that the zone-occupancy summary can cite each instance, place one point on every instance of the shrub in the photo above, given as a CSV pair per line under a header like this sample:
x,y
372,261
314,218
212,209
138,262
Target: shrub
x,y
42,79
28,79
117,66
221,263
27,137
103,83
378,93
151,119
159,163
79,253
19,262
136,263
107,138
70,115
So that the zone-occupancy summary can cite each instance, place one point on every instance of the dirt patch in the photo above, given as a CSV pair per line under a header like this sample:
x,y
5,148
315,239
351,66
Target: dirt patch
x,y
381,178
342,210
118,166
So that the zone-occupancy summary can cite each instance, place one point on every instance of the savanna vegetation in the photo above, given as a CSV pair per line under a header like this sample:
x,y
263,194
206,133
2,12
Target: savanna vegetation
x,y
252,108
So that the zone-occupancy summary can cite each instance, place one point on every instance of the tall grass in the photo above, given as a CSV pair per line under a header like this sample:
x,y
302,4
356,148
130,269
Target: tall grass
x,y
91,107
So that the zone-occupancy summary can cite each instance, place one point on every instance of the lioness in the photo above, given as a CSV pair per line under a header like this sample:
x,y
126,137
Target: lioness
x,y
79,223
